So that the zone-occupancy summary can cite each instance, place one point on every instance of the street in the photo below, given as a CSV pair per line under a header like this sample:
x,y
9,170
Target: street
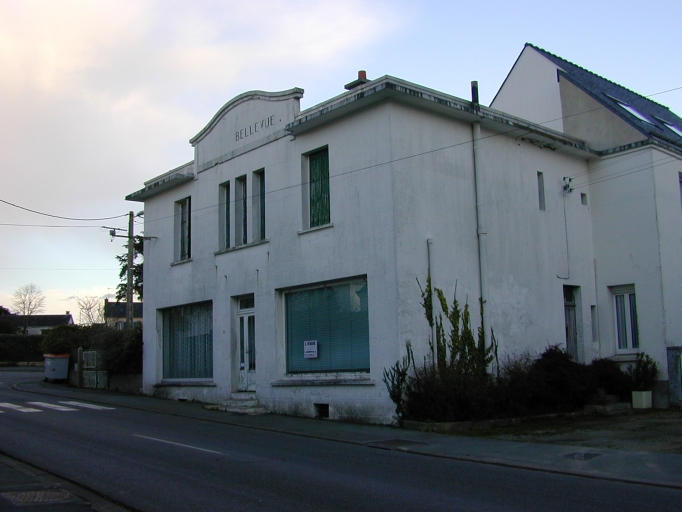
x,y
153,461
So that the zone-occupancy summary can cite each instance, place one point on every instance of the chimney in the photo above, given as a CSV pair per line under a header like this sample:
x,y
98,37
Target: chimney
x,y
474,94
362,79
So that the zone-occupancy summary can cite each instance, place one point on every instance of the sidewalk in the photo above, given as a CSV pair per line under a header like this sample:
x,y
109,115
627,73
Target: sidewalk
x,y
25,488
649,468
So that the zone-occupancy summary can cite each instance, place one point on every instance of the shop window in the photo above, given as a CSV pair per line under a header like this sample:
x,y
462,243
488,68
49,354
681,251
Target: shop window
x,y
188,341
327,328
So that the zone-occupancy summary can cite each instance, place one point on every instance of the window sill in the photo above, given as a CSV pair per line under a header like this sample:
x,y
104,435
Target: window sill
x,y
243,246
316,228
185,383
180,262
313,380
625,355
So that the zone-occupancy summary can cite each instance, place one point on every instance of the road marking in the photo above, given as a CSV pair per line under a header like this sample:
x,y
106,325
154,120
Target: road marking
x,y
19,408
55,407
88,406
177,444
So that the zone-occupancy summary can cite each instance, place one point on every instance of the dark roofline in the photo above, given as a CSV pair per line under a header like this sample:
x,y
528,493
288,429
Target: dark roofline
x,y
42,320
609,94
560,60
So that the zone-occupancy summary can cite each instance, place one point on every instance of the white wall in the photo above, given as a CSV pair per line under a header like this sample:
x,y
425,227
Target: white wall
x,y
626,240
398,177
532,72
589,120
666,168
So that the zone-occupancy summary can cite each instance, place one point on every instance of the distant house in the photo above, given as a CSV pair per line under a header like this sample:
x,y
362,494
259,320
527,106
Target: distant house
x,y
115,313
37,324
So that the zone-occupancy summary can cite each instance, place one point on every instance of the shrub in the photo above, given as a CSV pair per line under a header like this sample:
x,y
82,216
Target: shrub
x,y
63,339
19,347
121,350
558,383
607,376
643,373
453,383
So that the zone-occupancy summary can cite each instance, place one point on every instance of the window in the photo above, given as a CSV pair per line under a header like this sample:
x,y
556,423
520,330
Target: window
x,y
625,306
541,191
183,229
333,319
240,233
318,188
583,198
258,207
224,221
632,110
188,341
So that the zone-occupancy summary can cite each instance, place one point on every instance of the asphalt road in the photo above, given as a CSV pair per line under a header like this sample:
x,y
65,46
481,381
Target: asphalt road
x,y
151,461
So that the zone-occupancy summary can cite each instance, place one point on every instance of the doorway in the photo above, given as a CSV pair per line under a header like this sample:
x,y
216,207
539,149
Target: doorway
x,y
571,313
246,343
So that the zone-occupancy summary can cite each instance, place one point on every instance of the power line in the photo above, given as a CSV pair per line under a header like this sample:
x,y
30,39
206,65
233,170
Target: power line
x,y
59,216
48,225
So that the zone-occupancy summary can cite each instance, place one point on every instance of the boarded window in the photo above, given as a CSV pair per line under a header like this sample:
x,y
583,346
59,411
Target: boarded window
x,y
318,168
188,341
335,317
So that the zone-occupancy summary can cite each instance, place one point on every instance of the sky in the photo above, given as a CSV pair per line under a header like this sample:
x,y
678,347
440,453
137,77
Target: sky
x,y
97,97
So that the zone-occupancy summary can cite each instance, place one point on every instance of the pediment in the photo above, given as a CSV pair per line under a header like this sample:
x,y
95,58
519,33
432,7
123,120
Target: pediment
x,y
246,119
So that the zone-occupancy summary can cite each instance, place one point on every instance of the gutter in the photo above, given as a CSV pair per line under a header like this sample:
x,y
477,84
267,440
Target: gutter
x,y
391,88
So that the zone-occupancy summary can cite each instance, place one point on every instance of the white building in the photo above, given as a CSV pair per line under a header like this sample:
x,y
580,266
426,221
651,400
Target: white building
x,y
282,261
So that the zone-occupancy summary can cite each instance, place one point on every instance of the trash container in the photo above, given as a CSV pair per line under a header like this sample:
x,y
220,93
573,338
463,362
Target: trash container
x,y
56,366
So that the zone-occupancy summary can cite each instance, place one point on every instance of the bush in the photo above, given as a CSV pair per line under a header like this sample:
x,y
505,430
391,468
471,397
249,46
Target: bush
x,y
121,350
18,347
453,384
608,377
643,373
63,339
559,383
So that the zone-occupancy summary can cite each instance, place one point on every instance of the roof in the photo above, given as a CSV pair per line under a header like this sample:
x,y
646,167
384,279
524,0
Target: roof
x,y
118,309
396,89
42,320
617,98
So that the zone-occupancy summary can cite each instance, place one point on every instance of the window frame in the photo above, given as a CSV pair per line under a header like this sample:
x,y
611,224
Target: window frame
x,y
542,203
183,229
316,190
241,223
258,205
224,224
358,348
171,347
625,321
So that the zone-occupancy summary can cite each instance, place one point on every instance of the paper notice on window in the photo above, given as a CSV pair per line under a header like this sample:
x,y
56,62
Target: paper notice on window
x,y
310,349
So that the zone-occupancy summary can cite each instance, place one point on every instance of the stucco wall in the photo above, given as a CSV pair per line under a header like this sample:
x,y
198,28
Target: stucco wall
x,y
589,120
626,244
531,91
667,169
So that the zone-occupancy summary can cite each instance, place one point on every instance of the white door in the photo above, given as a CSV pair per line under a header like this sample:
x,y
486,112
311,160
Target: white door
x,y
246,320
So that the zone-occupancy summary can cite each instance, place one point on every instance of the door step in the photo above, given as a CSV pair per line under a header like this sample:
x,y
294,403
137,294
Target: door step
x,y
244,402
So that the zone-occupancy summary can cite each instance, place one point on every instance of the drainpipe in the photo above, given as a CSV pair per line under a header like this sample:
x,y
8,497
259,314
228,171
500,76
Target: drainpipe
x,y
478,193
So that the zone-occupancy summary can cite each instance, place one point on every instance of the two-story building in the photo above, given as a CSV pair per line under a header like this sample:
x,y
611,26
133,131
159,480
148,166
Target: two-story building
x,y
281,263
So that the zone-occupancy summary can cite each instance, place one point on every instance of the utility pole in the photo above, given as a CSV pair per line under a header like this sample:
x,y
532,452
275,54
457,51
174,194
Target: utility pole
x,y
129,287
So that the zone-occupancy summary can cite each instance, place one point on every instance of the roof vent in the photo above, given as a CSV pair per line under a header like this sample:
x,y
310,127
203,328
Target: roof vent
x,y
362,79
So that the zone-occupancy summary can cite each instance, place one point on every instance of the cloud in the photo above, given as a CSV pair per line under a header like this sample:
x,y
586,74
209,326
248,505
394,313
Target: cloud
x,y
97,97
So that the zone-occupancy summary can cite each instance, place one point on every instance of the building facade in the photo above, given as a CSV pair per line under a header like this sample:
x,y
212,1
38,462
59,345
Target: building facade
x,y
282,262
